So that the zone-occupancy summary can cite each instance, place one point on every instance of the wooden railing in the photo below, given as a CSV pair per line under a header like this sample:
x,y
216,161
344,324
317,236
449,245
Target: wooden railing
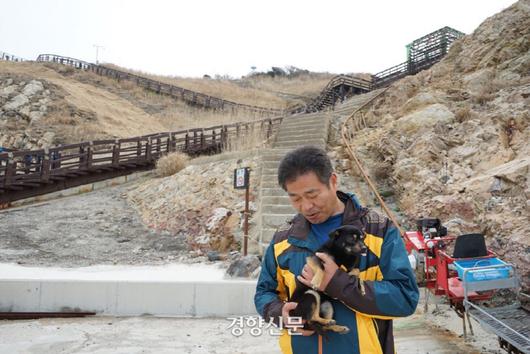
x,y
338,87
34,172
10,57
189,96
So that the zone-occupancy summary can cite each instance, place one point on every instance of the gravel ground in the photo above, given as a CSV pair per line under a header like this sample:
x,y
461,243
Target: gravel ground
x,y
88,229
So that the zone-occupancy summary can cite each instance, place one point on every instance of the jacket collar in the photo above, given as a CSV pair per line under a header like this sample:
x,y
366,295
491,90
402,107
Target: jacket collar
x,y
301,228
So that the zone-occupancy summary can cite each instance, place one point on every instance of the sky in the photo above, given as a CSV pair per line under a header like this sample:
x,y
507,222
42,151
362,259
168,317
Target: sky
x,y
228,37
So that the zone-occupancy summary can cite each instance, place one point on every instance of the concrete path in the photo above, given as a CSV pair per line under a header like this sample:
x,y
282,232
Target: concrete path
x,y
181,335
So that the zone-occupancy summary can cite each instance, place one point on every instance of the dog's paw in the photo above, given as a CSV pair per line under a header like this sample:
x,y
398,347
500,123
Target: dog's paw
x,y
338,329
345,330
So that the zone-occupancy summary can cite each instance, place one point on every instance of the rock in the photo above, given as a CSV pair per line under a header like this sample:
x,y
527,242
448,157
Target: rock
x,y
214,256
24,111
420,100
16,102
479,82
218,215
243,267
463,152
32,88
6,91
425,118
35,116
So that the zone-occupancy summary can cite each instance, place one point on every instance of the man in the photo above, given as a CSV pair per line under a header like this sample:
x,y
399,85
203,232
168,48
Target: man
x,y
390,288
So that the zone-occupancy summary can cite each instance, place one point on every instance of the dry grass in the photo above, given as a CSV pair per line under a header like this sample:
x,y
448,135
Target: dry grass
x,y
85,106
304,86
463,114
254,139
172,163
222,88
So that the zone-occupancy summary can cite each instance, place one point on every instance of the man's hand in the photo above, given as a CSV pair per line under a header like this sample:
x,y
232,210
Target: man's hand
x,y
330,267
288,306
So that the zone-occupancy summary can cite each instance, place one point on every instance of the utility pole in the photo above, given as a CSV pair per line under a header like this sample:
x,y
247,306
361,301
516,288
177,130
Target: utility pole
x,y
98,47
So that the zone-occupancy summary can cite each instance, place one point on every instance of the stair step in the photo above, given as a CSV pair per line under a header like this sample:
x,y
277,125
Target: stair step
x,y
275,220
273,171
276,200
305,120
312,130
304,125
295,144
269,183
300,138
300,142
273,192
270,164
301,135
278,209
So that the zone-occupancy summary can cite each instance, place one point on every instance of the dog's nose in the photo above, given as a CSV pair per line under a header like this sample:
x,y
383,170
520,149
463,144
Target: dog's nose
x,y
364,250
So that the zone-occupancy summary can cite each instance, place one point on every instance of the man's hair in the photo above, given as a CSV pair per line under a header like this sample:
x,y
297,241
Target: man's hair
x,y
304,160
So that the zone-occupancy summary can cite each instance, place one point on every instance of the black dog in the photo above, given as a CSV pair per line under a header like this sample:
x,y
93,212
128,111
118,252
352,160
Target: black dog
x,y
345,246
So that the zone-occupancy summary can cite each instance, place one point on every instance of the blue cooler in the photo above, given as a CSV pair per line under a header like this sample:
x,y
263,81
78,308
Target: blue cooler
x,y
484,273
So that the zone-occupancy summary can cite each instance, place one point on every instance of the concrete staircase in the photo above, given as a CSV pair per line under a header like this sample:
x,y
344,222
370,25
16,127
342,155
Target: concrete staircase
x,y
295,131
275,208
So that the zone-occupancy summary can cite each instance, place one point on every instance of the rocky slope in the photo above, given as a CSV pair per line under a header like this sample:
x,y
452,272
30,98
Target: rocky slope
x,y
40,107
199,203
452,141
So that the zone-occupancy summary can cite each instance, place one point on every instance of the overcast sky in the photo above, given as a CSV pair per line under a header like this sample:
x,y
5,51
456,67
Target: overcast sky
x,y
197,37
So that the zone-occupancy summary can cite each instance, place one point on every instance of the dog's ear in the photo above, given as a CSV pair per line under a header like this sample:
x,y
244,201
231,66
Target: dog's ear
x,y
334,233
349,229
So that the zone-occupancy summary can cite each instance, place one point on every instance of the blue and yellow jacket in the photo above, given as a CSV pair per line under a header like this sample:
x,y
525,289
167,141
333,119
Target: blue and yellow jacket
x,y
389,284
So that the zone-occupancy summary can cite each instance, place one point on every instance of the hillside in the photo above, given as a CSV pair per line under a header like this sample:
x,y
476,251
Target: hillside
x,y
43,104
452,141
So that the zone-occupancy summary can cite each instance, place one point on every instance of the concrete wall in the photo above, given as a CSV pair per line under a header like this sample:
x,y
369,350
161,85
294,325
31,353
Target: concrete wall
x,y
124,298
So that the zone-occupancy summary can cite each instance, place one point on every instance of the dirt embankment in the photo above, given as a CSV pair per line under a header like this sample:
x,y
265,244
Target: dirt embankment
x,y
40,107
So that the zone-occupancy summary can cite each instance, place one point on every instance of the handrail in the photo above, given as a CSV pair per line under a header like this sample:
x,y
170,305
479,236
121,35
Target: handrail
x,y
336,82
10,57
26,169
190,96
345,134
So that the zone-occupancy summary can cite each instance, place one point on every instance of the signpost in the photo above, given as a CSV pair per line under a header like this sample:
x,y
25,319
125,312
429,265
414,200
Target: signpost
x,y
242,181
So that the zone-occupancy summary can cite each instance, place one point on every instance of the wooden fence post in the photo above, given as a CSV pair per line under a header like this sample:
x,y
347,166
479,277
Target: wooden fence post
x,y
203,140
45,168
90,153
148,146
170,143
116,153
186,141
11,169
224,137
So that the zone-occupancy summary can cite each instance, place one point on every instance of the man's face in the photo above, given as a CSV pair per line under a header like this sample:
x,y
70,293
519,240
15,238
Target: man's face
x,y
315,200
